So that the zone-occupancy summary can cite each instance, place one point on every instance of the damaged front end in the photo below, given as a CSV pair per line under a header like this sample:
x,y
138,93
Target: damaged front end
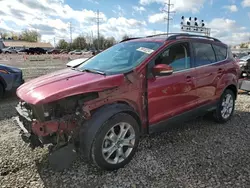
x,y
55,123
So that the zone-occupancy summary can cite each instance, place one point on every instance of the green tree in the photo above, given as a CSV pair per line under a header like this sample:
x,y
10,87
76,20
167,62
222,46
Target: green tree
x,y
5,35
243,45
125,37
79,43
30,36
108,42
62,44
14,36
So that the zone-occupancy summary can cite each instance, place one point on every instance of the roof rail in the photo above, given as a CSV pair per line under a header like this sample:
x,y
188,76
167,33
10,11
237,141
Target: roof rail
x,y
174,37
164,34
127,39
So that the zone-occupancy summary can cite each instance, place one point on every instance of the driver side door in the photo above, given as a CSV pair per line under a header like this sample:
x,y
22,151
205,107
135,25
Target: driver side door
x,y
172,95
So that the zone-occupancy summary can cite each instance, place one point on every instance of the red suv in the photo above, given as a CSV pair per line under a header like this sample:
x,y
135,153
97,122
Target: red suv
x,y
138,86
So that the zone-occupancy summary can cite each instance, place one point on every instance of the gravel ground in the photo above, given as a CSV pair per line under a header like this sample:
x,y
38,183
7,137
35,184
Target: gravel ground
x,y
200,153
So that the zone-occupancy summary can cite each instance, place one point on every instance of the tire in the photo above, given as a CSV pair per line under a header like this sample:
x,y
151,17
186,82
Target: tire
x,y
1,91
118,148
224,113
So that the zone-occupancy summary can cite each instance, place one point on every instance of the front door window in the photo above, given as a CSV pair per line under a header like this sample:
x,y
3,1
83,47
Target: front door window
x,y
177,56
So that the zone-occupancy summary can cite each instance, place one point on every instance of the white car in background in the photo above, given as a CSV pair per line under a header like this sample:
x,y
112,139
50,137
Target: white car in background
x,y
76,62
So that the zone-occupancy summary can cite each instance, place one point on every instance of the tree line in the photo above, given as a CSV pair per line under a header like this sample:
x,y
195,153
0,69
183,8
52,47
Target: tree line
x,y
82,42
26,35
85,42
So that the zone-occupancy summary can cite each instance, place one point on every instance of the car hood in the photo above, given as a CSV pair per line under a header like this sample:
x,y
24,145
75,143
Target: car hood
x,y
76,62
65,83
10,68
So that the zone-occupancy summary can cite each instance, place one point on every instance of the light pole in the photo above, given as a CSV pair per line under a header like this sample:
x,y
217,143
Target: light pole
x,y
194,26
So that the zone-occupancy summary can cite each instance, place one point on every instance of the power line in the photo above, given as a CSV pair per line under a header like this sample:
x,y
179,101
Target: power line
x,y
168,19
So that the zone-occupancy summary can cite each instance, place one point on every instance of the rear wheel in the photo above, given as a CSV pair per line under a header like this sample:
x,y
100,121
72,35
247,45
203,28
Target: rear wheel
x,y
116,142
225,107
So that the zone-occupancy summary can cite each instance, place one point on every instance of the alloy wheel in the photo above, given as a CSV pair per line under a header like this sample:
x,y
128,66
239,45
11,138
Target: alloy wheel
x,y
227,106
118,143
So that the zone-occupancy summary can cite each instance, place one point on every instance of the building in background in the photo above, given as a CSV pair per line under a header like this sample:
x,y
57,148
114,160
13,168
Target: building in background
x,y
24,44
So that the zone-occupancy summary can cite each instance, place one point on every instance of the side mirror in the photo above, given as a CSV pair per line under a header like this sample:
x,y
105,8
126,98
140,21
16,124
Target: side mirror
x,y
162,70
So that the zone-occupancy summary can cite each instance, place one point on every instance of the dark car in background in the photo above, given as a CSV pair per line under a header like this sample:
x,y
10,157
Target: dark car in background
x,y
10,79
36,51
54,51
23,50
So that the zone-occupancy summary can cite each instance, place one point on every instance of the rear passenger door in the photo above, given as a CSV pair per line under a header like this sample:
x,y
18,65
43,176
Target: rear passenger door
x,y
209,71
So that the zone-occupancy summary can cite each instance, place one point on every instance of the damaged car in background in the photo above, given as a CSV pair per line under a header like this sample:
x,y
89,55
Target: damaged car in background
x,y
10,79
101,107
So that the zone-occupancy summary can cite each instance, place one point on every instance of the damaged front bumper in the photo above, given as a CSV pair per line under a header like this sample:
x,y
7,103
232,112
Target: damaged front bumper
x,y
25,122
38,133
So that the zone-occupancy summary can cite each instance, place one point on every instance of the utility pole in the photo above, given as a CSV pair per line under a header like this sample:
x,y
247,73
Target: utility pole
x,y
168,12
54,42
98,34
154,31
70,32
92,38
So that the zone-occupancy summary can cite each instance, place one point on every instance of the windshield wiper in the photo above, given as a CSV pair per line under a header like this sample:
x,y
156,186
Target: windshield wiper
x,y
94,71
75,68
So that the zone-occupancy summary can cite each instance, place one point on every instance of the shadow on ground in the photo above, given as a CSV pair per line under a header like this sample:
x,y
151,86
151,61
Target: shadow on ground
x,y
203,135
7,105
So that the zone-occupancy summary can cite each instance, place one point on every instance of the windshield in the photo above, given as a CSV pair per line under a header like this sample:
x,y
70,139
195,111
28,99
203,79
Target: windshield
x,y
245,58
121,57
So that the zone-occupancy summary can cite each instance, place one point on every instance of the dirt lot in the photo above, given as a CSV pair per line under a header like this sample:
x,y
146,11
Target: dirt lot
x,y
200,153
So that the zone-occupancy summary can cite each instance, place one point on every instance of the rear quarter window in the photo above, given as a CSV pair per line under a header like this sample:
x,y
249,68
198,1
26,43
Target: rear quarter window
x,y
204,54
220,52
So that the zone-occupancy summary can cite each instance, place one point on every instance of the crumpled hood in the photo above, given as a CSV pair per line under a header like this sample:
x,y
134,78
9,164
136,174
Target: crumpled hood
x,y
64,83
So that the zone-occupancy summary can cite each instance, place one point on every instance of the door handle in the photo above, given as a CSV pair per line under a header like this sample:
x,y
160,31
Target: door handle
x,y
189,78
220,70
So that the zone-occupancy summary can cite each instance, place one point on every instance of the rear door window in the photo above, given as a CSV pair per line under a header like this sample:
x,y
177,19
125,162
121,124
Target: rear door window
x,y
204,54
220,52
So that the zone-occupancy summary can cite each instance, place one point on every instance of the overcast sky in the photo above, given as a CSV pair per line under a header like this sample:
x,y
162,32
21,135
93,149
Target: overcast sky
x,y
229,19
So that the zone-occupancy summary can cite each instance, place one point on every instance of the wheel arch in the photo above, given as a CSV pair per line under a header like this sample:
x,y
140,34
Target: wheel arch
x,y
3,83
233,88
91,127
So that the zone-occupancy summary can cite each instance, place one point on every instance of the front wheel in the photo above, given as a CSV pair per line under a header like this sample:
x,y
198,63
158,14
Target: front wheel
x,y
116,142
225,107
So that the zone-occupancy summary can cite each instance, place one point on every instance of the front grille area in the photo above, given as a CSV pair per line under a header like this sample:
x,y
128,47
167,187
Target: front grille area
x,y
25,118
